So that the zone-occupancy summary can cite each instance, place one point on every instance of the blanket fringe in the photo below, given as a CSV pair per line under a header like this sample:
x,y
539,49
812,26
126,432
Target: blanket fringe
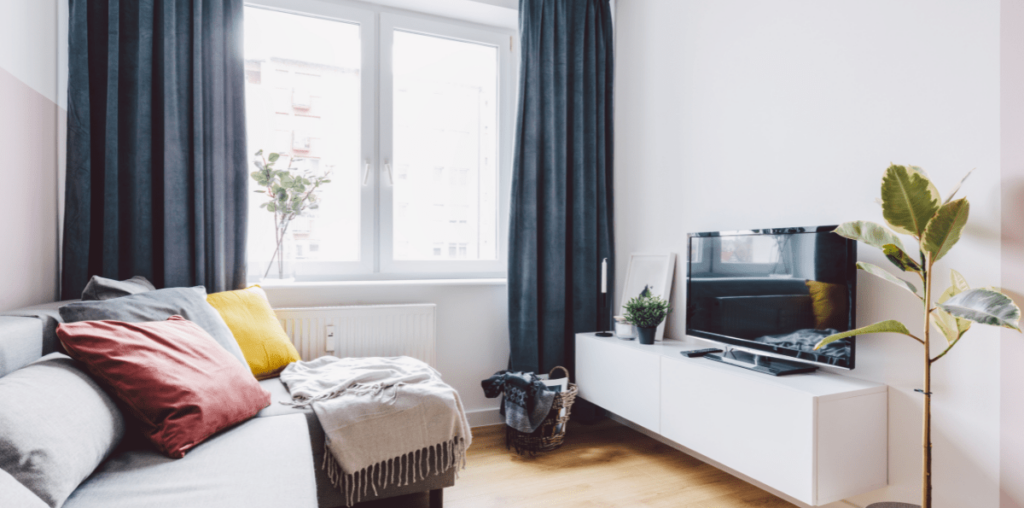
x,y
399,471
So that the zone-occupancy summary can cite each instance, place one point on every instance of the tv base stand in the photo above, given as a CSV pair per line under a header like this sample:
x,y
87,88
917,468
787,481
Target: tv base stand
x,y
761,363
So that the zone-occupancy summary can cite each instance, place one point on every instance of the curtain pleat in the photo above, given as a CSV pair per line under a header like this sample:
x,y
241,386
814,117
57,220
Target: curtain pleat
x,y
156,165
561,216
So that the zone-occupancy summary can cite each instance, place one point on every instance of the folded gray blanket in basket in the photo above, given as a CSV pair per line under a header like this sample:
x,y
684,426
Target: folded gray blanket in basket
x,y
527,400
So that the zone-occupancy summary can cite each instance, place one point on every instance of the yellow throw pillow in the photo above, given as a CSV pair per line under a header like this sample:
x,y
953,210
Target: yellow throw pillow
x,y
265,345
828,301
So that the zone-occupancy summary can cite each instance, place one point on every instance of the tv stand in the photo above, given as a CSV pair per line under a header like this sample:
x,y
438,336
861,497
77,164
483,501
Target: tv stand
x,y
814,439
761,363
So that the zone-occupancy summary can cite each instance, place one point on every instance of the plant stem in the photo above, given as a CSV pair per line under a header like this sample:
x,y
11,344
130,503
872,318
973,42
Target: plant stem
x,y
944,351
926,483
280,232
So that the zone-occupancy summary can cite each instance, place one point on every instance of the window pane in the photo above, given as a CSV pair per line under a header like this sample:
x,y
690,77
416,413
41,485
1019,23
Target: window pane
x,y
303,102
751,249
445,149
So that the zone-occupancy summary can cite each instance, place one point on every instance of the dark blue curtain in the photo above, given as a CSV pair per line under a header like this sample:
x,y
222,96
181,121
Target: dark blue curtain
x,y
156,159
561,216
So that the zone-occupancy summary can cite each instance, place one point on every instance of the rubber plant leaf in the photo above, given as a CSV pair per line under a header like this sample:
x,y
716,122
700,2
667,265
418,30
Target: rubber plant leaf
x,y
957,188
986,306
909,199
946,324
896,256
958,281
878,271
871,233
958,285
944,229
890,326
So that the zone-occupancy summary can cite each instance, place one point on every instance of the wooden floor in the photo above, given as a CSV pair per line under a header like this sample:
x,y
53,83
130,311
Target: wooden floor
x,y
600,465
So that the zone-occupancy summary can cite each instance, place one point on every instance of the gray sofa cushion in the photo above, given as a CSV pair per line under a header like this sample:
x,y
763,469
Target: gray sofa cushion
x,y
264,462
102,288
14,493
21,342
44,342
56,426
159,305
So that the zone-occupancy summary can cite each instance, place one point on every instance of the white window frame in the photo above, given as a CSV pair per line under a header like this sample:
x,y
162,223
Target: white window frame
x,y
389,24
377,26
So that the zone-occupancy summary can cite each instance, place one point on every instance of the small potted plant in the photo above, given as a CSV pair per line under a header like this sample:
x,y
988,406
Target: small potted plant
x,y
646,312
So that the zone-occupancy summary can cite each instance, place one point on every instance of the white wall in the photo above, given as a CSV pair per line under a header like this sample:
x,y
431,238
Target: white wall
x,y
31,127
739,114
472,326
1012,348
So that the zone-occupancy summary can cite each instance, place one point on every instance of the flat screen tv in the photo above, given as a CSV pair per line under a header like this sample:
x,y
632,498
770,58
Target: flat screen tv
x,y
772,294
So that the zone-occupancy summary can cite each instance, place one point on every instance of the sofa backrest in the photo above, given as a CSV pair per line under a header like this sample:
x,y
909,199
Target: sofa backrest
x,y
28,334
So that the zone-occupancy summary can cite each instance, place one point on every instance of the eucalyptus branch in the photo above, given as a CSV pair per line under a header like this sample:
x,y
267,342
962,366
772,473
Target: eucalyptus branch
x,y
290,194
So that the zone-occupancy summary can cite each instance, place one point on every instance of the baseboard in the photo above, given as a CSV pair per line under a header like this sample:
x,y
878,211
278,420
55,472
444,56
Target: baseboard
x,y
484,417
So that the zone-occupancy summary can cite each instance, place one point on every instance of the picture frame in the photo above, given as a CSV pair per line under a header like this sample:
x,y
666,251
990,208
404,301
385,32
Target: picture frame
x,y
653,271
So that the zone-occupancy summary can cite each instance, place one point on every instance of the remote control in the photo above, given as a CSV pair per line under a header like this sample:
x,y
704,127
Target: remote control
x,y
696,353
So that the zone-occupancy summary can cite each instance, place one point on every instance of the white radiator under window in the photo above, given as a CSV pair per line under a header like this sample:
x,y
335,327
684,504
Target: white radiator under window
x,y
363,330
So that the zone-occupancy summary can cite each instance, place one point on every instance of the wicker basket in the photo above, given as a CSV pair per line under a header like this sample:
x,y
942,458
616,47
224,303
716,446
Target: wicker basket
x,y
551,433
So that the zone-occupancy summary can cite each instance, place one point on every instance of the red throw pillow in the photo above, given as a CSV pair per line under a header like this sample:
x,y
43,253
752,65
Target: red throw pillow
x,y
173,376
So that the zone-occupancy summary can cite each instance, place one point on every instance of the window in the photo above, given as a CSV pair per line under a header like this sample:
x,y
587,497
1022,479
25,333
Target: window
x,y
411,119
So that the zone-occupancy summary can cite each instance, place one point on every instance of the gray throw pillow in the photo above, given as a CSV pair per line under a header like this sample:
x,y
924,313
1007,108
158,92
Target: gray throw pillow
x,y
56,426
102,288
189,303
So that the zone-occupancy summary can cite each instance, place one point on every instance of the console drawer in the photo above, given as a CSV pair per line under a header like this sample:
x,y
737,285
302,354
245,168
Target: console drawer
x,y
619,378
759,429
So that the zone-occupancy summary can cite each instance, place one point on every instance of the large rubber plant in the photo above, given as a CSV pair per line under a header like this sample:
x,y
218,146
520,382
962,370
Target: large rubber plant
x,y
911,205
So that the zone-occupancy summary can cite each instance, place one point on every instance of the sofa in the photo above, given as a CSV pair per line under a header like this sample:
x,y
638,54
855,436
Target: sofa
x,y
272,460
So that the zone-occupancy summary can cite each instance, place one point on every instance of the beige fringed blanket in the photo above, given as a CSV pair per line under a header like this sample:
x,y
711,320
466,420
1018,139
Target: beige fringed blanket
x,y
384,418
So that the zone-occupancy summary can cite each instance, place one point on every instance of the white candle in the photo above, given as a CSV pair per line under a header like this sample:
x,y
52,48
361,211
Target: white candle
x,y
604,275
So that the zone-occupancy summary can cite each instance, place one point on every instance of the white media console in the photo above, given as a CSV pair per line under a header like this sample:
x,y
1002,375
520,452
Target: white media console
x,y
818,438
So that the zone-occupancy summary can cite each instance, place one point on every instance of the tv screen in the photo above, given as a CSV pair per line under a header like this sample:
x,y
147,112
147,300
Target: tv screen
x,y
778,291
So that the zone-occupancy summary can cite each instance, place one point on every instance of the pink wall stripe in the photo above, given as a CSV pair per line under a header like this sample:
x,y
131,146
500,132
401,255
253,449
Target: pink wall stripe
x,y
28,177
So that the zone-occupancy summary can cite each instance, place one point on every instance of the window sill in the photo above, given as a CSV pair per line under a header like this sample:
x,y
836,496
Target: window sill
x,y
272,284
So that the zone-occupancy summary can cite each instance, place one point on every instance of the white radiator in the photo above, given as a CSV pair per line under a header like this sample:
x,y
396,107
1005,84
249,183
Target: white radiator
x,y
362,330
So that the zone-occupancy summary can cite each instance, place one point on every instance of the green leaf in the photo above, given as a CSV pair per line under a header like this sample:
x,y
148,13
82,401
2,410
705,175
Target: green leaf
x,y
260,165
899,258
985,306
957,188
273,157
260,152
871,233
909,199
944,229
878,271
958,281
959,285
890,326
946,324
